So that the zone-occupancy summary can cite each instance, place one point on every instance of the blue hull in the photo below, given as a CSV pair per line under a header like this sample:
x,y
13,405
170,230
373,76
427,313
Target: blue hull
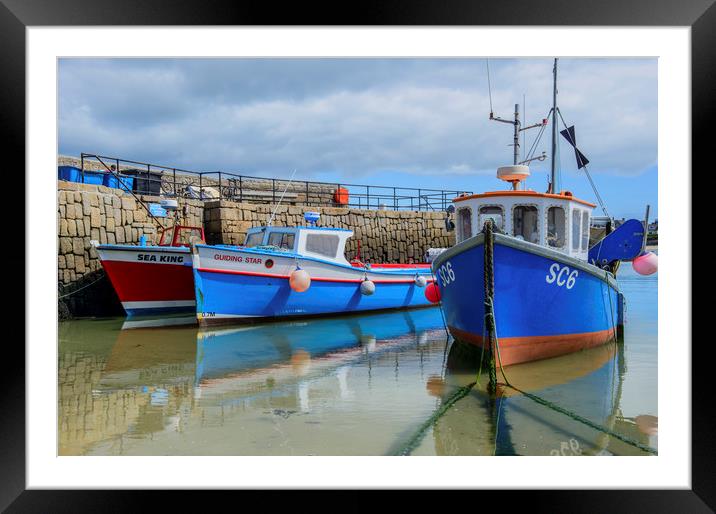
x,y
225,297
545,303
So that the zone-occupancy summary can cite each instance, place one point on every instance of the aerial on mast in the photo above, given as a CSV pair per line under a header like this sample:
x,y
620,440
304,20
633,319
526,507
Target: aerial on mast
x,y
517,129
553,176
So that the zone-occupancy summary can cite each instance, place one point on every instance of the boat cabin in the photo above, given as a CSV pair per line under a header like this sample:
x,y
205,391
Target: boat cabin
x,y
320,242
557,221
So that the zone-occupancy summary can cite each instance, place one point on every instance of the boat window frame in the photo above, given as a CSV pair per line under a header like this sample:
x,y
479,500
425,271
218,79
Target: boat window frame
x,y
539,232
585,234
283,233
460,234
261,233
576,239
310,235
503,226
565,210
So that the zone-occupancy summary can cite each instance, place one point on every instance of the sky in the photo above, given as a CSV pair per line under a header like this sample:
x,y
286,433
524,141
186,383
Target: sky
x,y
411,122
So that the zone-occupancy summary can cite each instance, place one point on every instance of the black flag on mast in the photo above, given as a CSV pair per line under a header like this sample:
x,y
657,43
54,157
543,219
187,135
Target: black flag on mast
x,y
568,134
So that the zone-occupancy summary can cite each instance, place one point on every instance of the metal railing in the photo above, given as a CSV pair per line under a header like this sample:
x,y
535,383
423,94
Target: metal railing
x,y
153,179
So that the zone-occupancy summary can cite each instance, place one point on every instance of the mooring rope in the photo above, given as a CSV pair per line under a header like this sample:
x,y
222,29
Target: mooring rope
x,y
611,306
416,438
566,412
440,304
489,285
80,289
490,325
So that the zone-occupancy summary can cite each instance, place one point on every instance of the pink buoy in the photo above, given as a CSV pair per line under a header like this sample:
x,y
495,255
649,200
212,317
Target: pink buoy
x,y
299,280
432,292
646,264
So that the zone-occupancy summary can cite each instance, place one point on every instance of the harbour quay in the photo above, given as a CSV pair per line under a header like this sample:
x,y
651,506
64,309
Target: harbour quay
x,y
109,215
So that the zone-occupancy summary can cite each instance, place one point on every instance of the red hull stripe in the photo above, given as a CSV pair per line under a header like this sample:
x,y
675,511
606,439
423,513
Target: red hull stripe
x,y
514,350
140,282
391,266
317,279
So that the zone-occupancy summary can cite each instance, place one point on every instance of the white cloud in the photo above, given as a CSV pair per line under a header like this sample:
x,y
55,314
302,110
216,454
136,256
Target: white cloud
x,y
352,117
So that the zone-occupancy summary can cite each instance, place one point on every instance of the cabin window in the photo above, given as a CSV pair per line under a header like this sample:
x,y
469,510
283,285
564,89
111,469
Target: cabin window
x,y
492,212
575,229
254,239
524,223
464,224
556,221
283,240
185,235
322,244
585,230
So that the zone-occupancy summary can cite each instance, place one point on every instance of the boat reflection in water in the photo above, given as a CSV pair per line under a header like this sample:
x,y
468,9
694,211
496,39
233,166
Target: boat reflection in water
x,y
147,388
262,357
353,385
587,383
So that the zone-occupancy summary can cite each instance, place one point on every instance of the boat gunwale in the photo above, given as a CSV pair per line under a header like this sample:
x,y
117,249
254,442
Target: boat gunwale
x,y
134,248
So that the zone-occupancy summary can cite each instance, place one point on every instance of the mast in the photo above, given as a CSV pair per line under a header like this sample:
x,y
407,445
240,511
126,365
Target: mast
x,y
553,177
517,128
516,156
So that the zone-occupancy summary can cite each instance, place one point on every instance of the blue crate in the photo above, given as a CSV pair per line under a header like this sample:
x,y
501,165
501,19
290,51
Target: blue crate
x,y
121,182
69,173
75,175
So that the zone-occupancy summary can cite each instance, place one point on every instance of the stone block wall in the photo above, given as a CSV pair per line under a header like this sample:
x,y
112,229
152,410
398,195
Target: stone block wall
x,y
385,236
88,212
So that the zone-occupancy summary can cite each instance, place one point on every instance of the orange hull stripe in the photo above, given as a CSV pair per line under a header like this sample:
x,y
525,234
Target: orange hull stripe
x,y
522,193
514,350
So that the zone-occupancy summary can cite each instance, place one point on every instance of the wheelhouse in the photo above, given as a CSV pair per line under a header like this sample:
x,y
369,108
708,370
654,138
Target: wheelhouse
x,y
179,235
557,221
318,242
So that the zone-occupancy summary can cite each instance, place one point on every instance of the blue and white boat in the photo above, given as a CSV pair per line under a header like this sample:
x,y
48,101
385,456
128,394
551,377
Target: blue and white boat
x,y
283,272
553,294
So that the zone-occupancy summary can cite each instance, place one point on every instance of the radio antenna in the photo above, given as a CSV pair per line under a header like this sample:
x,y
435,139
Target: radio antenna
x,y
281,199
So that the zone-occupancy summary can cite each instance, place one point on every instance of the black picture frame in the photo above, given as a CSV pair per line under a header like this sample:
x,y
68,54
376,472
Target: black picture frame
x,y
700,15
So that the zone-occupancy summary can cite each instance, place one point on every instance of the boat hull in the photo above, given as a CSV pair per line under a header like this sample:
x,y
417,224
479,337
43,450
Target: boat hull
x,y
546,304
234,285
150,280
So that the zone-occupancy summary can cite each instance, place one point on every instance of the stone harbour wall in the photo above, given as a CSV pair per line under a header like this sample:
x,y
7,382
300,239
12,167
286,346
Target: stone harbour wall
x,y
385,236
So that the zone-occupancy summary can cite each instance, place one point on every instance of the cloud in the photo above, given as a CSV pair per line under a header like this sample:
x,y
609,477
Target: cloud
x,y
352,117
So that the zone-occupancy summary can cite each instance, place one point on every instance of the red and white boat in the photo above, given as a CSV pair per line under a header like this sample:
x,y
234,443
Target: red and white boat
x,y
152,280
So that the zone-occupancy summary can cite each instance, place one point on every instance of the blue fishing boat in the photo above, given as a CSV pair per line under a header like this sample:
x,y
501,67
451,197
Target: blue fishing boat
x,y
283,272
523,274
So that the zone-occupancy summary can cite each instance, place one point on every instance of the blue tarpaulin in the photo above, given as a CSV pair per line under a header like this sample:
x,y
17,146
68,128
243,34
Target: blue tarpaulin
x,y
73,174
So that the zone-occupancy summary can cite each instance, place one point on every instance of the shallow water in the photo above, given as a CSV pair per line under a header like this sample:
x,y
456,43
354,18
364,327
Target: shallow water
x,y
357,385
